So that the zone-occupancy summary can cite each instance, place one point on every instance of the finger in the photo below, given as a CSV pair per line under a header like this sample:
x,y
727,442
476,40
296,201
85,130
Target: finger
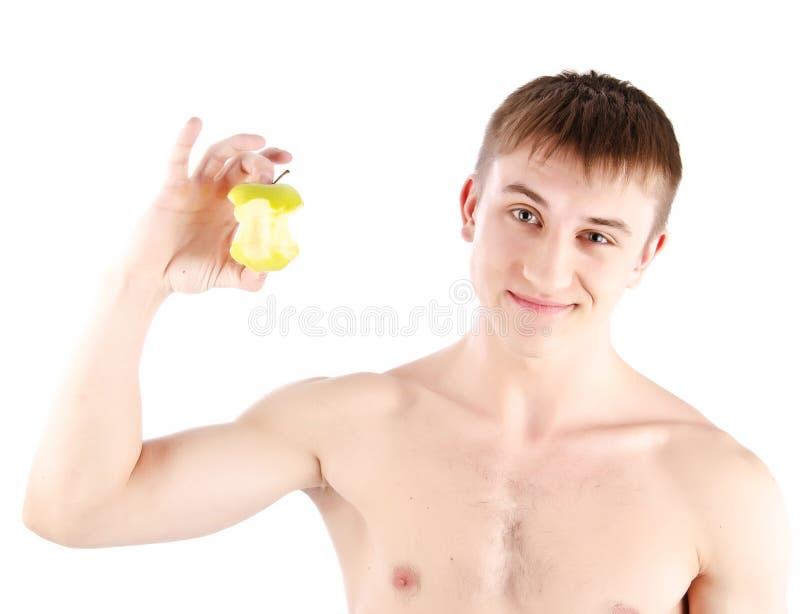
x,y
252,281
277,155
218,154
245,168
178,166
274,155
251,167
235,275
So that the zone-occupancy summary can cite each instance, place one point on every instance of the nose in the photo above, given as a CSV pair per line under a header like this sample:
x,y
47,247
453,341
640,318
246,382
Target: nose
x,y
548,263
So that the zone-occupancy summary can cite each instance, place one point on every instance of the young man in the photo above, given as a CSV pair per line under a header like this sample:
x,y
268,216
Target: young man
x,y
525,467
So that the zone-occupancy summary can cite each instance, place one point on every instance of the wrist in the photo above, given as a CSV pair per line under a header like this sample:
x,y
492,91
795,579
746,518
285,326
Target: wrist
x,y
135,284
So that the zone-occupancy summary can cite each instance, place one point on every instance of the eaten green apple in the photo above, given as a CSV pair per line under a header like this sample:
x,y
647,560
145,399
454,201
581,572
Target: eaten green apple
x,y
262,241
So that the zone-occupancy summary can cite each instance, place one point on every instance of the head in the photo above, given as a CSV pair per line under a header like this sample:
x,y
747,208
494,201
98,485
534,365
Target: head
x,y
585,148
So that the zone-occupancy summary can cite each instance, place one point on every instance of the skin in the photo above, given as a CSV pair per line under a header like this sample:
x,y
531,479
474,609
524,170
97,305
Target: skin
x,y
510,472
531,472
543,380
552,449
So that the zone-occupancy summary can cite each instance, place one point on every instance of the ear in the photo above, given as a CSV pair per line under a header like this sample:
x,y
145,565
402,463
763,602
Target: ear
x,y
468,205
648,253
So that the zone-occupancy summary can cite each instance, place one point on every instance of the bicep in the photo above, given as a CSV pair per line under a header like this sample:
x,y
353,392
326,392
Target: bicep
x,y
199,481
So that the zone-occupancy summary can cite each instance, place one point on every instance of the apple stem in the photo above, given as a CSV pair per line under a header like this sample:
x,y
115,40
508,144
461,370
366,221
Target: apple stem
x,y
281,175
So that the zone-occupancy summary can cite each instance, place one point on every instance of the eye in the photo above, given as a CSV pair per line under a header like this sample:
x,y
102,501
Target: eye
x,y
605,240
532,215
528,211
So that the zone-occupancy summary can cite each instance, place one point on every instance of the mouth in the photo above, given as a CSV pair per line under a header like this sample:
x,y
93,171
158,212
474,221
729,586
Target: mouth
x,y
540,307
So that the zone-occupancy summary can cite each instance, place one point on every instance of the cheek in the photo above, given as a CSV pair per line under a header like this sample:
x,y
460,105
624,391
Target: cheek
x,y
617,268
493,254
490,258
498,240
609,280
603,275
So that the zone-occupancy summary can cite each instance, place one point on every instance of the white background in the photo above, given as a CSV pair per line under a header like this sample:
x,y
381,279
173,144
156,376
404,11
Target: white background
x,y
383,107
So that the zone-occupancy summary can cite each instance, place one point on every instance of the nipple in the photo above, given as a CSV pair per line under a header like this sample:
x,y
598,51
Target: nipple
x,y
405,579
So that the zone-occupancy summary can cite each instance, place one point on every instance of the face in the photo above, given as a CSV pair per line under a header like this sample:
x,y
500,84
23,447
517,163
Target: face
x,y
544,245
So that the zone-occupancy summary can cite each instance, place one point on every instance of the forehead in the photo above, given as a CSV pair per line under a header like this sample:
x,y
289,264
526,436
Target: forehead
x,y
562,183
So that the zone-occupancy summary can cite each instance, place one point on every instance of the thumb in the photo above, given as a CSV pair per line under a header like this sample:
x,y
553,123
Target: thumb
x,y
235,275
250,280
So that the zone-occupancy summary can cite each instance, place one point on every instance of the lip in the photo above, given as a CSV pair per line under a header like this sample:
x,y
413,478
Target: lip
x,y
541,307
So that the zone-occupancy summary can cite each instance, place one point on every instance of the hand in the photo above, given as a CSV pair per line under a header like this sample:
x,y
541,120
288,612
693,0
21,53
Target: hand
x,y
181,242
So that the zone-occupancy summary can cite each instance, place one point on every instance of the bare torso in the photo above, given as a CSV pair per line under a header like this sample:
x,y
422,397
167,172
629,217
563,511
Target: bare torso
x,y
428,513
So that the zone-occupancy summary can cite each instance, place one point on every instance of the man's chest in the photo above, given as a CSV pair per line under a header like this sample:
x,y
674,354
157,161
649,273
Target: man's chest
x,y
420,515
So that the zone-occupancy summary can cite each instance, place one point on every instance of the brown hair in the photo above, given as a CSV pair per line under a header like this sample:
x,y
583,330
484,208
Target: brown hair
x,y
608,124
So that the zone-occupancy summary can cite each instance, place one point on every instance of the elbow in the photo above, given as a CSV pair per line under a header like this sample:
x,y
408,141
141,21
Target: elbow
x,y
46,532
47,528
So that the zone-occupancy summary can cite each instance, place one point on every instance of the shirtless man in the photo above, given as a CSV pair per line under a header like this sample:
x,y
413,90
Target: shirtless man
x,y
520,469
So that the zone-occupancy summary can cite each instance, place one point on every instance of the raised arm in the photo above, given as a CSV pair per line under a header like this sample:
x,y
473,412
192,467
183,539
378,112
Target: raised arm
x,y
93,438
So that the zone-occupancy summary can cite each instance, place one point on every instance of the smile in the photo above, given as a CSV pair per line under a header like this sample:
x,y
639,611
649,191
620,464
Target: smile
x,y
538,307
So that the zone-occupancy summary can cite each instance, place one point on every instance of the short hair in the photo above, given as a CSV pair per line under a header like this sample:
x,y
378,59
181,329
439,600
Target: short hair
x,y
608,124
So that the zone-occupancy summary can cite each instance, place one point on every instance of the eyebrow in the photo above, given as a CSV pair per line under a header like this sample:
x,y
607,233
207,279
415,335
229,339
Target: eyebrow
x,y
520,188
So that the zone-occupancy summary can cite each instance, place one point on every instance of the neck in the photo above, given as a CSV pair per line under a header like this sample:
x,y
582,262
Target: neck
x,y
534,388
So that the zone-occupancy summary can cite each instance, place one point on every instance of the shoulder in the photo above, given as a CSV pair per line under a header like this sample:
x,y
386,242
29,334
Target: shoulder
x,y
729,490
367,392
713,463
744,537
340,407
736,500
348,391
739,523
314,410
347,410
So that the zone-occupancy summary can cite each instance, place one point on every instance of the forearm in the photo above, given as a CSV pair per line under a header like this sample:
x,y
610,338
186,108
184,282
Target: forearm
x,y
93,436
